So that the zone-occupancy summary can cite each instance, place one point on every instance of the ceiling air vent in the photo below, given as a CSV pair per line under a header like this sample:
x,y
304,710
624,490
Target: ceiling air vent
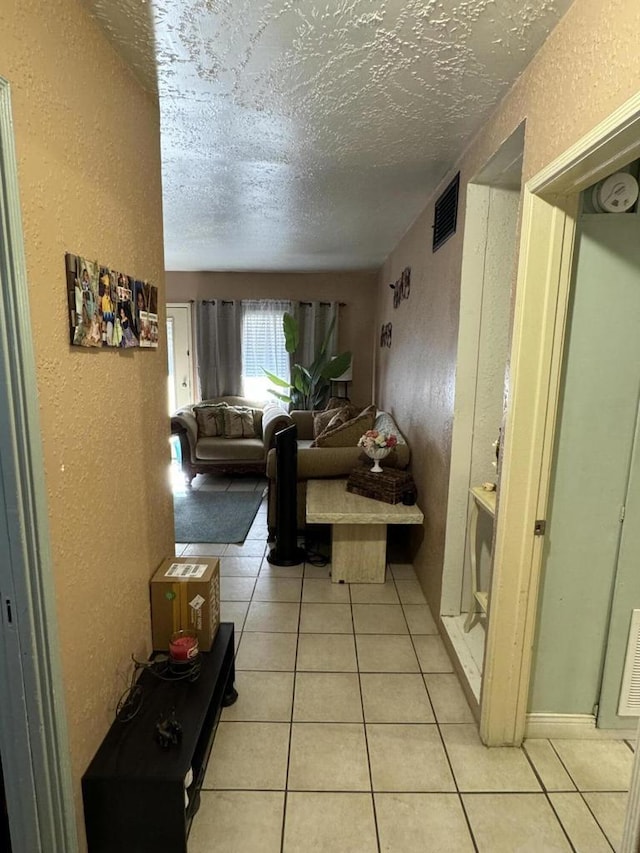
x,y
630,693
446,214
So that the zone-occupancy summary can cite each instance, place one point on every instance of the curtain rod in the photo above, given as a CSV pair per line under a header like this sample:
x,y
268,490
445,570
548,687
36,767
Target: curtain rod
x,y
306,304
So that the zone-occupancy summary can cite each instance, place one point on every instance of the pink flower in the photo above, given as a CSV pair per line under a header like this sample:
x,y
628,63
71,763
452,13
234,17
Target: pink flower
x,y
374,439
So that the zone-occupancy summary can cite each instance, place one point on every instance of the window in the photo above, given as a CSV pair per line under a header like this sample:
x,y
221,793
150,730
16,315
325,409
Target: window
x,y
263,346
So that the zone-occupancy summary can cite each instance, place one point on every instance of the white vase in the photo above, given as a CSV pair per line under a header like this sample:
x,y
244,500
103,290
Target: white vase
x,y
377,453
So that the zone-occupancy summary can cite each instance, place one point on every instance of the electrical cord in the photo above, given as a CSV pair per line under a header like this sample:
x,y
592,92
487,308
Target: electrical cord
x,y
162,667
313,555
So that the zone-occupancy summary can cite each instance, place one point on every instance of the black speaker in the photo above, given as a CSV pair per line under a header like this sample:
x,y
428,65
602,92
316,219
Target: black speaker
x,y
286,551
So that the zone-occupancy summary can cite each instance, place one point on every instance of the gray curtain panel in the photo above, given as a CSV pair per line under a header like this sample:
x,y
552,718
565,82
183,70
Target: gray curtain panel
x,y
314,319
219,348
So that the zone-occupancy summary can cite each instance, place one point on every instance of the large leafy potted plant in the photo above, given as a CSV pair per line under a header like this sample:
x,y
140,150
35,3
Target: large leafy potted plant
x,y
309,386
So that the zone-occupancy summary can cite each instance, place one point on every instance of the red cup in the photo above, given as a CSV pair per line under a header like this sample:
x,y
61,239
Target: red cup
x,y
183,646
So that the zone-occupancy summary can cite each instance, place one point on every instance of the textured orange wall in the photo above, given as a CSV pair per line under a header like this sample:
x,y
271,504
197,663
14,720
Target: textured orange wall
x,y
586,69
356,289
87,141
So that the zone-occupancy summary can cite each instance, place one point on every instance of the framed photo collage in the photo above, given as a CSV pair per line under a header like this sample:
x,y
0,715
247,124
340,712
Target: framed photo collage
x,y
108,308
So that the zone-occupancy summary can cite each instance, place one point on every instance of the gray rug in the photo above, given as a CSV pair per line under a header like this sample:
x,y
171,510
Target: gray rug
x,y
214,516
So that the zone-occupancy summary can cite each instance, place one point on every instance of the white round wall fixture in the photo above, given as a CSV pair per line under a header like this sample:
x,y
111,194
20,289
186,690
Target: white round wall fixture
x,y
616,194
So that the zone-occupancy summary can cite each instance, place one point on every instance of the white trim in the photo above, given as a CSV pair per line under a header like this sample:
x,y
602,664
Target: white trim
x,y
579,726
35,745
631,832
608,146
548,229
470,671
471,285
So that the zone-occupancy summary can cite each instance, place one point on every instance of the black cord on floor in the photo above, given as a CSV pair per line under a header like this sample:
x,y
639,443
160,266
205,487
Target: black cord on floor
x,y
314,556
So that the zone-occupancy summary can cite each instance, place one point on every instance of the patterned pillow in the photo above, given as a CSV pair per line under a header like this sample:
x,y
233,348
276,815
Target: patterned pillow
x,y
210,419
337,403
321,420
345,414
238,422
385,423
348,433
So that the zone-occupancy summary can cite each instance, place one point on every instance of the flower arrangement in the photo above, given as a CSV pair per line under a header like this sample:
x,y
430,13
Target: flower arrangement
x,y
374,439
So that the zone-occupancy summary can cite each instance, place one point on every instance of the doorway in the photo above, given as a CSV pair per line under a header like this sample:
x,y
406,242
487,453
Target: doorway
x,y
180,355
488,272
549,215
590,584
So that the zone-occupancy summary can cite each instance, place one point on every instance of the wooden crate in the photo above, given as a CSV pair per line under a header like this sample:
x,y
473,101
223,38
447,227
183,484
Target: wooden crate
x,y
391,486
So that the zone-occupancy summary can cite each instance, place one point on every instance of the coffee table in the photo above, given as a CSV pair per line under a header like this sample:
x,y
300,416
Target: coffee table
x,y
358,529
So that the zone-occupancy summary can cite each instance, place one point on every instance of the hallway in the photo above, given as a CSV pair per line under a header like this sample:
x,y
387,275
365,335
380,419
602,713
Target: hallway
x,y
351,732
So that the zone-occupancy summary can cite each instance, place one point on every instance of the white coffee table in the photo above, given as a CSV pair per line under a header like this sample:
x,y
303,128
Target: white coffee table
x,y
358,529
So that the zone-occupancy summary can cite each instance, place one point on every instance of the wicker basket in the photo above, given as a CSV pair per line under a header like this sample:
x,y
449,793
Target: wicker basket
x,y
391,485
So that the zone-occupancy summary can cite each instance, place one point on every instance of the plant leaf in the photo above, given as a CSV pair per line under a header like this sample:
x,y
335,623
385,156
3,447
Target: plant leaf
x,y
337,366
282,383
291,332
300,379
283,397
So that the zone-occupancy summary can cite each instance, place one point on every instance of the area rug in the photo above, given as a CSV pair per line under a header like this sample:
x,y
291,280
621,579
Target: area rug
x,y
214,516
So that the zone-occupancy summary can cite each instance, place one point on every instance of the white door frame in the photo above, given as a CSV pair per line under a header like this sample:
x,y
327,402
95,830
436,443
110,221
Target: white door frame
x,y
33,736
550,209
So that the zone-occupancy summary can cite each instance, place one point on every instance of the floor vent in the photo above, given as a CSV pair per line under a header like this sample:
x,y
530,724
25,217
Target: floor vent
x,y
446,214
629,705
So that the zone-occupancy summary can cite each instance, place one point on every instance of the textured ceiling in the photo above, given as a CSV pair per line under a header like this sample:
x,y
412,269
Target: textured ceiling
x,y
307,135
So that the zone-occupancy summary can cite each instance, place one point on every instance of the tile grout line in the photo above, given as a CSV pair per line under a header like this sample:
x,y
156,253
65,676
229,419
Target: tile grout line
x,y
364,726
442,741
293,703
546,794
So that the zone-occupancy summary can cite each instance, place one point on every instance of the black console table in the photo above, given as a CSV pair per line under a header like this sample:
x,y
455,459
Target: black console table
x,y
133,790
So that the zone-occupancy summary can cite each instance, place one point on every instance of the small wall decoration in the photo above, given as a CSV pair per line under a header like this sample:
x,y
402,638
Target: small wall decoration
x,y
385,335
108,308
402,287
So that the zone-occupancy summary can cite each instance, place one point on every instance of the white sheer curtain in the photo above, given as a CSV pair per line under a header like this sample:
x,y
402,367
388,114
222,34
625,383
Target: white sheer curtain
x,y
263,345
219,348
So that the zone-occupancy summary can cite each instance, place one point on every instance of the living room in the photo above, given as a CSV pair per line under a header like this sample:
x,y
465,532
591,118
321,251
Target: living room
x,y
75,402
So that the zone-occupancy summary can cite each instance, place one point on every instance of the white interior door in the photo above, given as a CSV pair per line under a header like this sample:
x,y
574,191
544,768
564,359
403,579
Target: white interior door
x,y
180,349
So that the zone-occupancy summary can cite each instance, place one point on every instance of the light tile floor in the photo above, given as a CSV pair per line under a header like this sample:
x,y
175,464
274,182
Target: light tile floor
x,y
351,733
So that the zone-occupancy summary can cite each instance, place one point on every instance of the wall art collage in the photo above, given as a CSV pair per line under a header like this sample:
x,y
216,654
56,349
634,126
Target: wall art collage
x,y
108,308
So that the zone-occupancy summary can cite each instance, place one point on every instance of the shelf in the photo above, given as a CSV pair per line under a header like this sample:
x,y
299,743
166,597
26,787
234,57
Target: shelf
x,y
486,499
481,500
133,790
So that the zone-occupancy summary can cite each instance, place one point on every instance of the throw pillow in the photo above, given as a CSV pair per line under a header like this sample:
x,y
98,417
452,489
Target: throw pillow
x,y
348,433
210,419
238,422
343,415
385,423
321,420
337,403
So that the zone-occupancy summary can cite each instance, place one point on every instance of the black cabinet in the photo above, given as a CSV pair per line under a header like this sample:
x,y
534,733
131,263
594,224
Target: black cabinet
x,y
133,790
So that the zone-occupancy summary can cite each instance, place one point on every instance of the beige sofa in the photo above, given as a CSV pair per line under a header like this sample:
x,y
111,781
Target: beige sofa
x,y
320,462
204,453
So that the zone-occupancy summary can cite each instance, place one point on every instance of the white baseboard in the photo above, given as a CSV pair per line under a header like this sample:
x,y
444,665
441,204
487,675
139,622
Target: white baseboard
x,y
581,726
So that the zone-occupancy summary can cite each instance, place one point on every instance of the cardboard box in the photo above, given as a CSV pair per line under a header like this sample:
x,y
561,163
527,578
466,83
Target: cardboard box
x,y
185,593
